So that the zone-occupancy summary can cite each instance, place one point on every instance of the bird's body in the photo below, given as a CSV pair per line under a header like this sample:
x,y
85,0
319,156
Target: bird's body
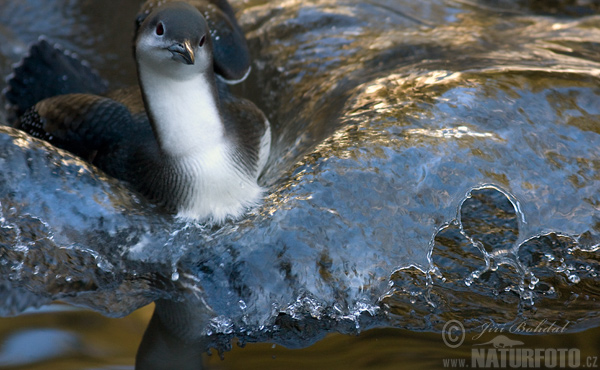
x,y
181,139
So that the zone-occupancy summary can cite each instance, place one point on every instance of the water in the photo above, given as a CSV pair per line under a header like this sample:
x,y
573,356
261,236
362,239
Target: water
x,y
433,161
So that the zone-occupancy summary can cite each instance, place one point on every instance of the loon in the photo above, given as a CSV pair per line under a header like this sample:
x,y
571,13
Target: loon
x,y
182,140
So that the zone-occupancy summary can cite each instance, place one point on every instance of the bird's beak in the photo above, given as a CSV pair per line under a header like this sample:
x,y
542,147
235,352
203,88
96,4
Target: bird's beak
x,y
182,52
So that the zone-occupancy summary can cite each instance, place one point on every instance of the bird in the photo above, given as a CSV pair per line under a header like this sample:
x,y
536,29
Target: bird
x,y
180,138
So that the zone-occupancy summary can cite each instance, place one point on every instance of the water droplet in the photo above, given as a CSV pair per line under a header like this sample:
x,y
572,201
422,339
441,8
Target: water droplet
x,y
175,276
574,278
469,281
242,304
549,257
533,282
104,265
562,267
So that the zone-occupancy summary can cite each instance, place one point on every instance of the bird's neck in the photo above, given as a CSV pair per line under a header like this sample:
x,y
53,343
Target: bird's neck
x,y
184,112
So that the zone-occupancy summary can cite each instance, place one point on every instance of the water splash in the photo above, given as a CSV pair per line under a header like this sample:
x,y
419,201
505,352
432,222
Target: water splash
x,y
424,170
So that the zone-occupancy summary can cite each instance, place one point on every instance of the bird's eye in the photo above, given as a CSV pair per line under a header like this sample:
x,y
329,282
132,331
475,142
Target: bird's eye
x,y
160,29
202,41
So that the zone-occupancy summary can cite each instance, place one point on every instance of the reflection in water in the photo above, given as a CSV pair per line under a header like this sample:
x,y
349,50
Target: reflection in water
x,y
452,173
173,340
105,343
60,337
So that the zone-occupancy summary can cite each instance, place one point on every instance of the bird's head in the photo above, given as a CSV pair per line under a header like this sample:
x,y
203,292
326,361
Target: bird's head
x,y
174,40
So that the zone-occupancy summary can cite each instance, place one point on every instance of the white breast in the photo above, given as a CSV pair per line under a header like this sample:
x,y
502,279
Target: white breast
x,y
219,189
185,113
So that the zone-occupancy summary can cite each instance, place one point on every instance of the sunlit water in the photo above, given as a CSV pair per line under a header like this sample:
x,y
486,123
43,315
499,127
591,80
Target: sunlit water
x,y
432,161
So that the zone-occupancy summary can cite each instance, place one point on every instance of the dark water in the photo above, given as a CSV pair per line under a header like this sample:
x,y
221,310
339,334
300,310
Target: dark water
x,y
432,161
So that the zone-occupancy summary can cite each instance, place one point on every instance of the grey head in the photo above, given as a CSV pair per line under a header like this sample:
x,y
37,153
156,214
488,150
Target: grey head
x,y
230,49
174,40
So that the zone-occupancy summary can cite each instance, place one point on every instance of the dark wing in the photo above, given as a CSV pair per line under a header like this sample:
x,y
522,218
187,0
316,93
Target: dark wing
x,y
97,129
131,97
231,53
104,132
45,72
